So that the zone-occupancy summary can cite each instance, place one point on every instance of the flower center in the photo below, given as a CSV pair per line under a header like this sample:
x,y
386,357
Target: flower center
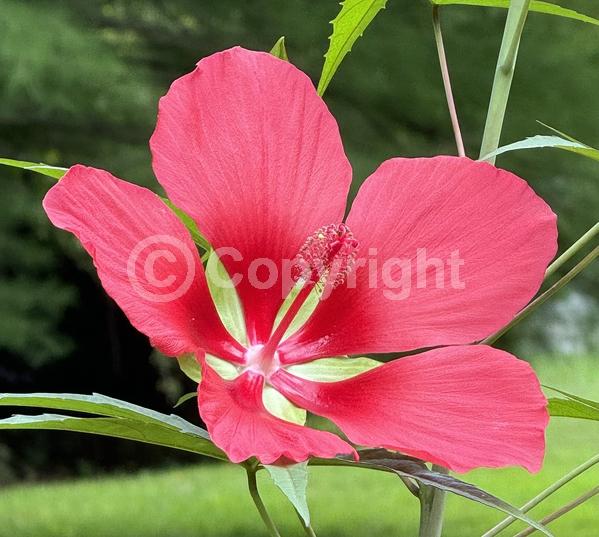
x,y
259,360
327,256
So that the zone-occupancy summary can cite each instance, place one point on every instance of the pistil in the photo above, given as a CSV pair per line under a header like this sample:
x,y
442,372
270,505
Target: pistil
x,y
325,258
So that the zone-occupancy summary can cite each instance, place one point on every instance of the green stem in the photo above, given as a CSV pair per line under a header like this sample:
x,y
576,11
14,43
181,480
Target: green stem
x,y
584,263
253,488
307,527
447,82
432,507
561,511
573,250
544,494
504,73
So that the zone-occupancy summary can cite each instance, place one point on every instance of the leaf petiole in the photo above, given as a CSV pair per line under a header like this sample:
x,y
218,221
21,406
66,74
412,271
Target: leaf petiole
x,y
255,494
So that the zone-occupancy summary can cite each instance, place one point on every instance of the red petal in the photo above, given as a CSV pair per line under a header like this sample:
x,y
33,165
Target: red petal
x,y
501,230
247,148
239,424
461,407
145,259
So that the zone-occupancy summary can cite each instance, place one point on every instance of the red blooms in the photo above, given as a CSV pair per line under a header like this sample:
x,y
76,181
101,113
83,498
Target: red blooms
x,y
437,251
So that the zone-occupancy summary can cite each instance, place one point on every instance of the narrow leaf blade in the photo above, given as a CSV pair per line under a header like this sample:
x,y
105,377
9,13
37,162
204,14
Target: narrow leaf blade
x,y
567,408
38,167
348,26
541,141
415,469
124,428
538,6
184,398
573,407
100,405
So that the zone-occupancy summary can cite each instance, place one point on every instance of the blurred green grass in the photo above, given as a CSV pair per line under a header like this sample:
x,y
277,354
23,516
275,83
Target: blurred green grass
x,y
211,500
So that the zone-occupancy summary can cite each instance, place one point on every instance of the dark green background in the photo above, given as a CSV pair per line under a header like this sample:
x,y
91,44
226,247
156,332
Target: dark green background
x,y
80,80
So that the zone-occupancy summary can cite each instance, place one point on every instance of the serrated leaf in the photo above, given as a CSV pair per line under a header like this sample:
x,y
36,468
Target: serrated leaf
x,y
413,468
101,405
225,298
279,49
184,398
38,167
281,407
293,482
541,141
333,369
125,428
348,26
536,5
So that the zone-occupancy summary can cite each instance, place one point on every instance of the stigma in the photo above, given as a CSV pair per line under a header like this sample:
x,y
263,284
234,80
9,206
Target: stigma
x,y
327,256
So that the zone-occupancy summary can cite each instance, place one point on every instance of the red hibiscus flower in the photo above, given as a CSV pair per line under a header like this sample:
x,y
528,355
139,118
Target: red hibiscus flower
x,y
245,146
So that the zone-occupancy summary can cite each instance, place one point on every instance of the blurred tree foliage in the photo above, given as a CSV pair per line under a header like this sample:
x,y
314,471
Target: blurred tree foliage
x,y
79,82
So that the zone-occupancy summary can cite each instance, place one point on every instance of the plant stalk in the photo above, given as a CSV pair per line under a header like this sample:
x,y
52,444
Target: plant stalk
x,y
504,73
544,494
573,250
253,488
447,82
584,263
432,507
562,511
307,528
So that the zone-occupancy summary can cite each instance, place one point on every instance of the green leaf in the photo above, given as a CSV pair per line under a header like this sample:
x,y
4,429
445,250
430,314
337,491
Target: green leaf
x,y
573,407
333,369
539,141
350,23
197,237
100,405
293,481
184,398
39,167
415,469
281,407
190,366
279,49
115,408
225,297
128,429
536,5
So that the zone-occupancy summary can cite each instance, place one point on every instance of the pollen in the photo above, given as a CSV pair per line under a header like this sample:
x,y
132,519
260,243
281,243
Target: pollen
x,y
327,256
